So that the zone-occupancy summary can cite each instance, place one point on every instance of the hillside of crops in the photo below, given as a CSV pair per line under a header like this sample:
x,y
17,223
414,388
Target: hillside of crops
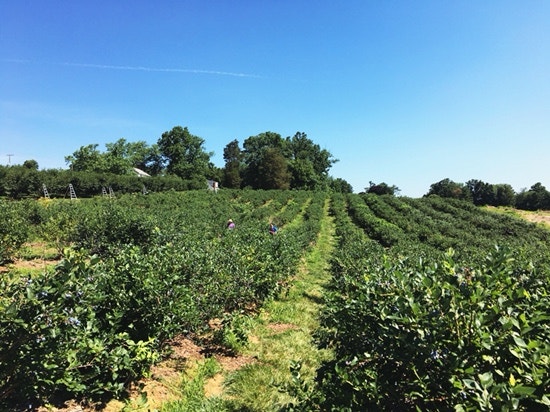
x,y
435,304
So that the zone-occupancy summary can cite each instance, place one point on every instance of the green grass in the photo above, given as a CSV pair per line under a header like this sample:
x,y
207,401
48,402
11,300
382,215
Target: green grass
x,y
192,390
38,250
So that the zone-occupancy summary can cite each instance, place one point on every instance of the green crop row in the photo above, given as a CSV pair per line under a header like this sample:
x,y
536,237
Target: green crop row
x,y
379,229
439,224
415,328
137,271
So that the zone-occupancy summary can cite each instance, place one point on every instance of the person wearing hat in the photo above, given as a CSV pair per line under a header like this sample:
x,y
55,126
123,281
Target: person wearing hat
x,y
230,224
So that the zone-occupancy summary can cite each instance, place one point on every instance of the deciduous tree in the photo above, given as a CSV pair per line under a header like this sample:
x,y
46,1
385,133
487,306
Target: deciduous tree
x,y
273,171
448,188
537,197
31,164
504,195
233,163
308,163
339,185
254,154
382,189
87,159
184,155
481,193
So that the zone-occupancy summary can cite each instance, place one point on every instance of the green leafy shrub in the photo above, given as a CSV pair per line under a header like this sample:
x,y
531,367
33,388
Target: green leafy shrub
x,y
56,222
437,335
234,330
14,229
415,329
387,233
54,341
142,270
104,226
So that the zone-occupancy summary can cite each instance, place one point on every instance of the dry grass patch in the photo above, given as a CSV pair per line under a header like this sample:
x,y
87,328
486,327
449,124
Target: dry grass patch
x,y
539,216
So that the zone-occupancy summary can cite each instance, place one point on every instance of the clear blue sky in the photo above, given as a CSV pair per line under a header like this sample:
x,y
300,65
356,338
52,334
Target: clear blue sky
x,y
403,92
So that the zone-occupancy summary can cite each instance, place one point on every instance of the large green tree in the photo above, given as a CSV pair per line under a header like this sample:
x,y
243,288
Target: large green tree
x,y
254,155
382,189
119,158
233,163
537,197
489,194
183,155
31,164
87,159
448,188
481,193
151,162
18,181
122,156
273,170
308,163
339,185
504,195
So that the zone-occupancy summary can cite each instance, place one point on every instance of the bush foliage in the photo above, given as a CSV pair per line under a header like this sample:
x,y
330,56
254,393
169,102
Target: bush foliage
x,y
417,327
434,303
139,270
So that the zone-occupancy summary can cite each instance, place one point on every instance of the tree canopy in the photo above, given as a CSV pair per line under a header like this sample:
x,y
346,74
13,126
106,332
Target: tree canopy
x,y
339,185
298,159
265,161
233,164
478,192
119,158
537,197
382,189
448,188
183,154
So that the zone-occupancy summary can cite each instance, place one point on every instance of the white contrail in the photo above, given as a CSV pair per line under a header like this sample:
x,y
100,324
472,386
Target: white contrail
x,y
154,69
143,68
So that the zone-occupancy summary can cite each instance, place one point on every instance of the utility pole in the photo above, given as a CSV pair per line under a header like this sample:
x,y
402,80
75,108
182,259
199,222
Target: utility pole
x,y
9,158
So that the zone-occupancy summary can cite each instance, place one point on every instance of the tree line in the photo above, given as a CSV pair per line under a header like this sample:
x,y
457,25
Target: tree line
x,y
265,161
486,194
178,160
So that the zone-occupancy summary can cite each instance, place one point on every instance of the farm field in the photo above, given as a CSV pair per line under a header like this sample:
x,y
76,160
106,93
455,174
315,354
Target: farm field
x,y
428,303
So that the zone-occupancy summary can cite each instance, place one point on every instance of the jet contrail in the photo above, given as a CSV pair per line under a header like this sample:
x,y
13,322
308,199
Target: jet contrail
x,y
141,68
154,69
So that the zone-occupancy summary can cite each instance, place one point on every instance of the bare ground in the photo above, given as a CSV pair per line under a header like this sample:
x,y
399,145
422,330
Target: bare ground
x,y
22,264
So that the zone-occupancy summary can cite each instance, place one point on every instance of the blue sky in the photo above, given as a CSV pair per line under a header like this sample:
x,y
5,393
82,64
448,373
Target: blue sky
x,y
402,92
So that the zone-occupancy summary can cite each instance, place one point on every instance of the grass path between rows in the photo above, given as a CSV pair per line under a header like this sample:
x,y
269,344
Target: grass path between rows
x,y
282,334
